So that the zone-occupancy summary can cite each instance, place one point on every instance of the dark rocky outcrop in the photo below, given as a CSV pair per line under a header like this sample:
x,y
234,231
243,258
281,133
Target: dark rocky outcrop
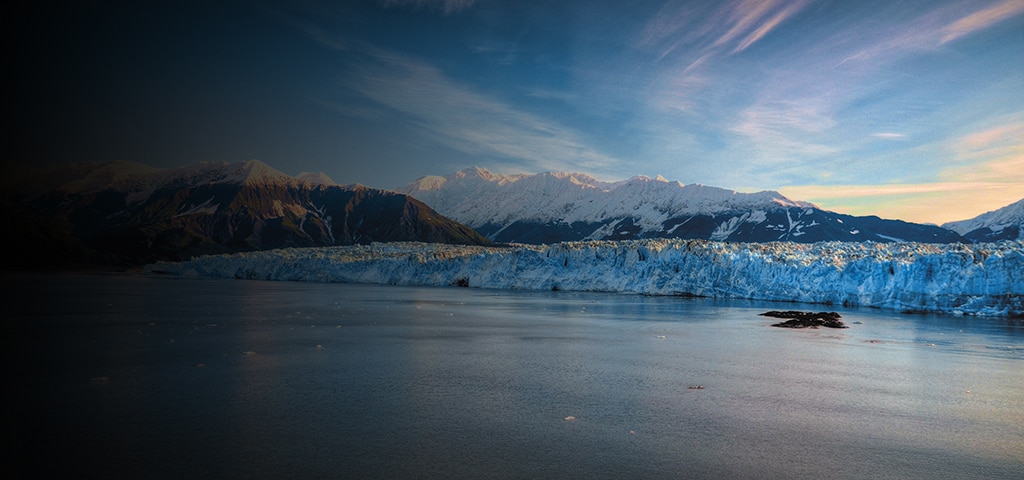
x,y
798,319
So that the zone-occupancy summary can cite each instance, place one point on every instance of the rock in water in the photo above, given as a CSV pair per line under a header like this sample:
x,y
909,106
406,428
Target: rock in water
x,y
800,319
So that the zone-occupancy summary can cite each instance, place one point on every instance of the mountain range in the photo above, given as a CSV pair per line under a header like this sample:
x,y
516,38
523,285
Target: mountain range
x,y
127,214
552,207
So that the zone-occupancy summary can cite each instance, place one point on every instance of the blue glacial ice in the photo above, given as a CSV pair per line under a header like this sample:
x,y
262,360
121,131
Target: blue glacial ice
x,y
977,279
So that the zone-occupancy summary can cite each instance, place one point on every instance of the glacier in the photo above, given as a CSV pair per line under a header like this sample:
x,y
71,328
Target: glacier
x,y
975,279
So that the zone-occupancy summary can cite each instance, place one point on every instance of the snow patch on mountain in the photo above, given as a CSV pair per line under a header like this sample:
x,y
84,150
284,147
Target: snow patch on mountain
x,y
978,279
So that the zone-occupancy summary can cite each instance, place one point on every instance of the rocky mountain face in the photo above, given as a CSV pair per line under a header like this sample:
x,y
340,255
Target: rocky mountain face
x,y
553,207
1006,223
122,213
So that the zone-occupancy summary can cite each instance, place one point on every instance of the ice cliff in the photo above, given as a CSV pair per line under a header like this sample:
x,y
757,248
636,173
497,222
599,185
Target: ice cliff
x,y
978,279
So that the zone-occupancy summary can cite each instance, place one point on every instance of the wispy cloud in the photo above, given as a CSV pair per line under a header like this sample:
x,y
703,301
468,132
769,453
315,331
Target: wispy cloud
x,y
938,202
756,18
930,30
695,97
804,107
833,192
695,40
471,122
420,97
992,155
982,19
672,26
785,130
1012,133
730,28
889,135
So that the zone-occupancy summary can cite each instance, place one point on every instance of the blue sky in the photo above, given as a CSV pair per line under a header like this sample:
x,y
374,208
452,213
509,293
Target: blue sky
x,y
911,110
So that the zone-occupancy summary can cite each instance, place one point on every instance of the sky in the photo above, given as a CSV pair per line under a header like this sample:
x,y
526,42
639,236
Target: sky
x,y
902,109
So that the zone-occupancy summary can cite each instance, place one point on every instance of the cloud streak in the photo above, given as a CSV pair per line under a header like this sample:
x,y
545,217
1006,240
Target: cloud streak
x,y
889,135
785,129
809,103
731,28
938,202
982,19
458,117
760,20
991,155
932,29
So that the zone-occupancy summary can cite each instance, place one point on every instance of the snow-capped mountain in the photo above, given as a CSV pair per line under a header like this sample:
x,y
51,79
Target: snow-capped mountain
x,y
1006,223
979,279
126,213
553,207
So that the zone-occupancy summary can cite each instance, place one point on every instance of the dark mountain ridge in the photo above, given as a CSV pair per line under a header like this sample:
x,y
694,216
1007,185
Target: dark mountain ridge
x,y
125,214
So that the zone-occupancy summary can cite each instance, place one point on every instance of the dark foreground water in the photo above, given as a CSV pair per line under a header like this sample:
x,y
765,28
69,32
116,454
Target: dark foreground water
x,y
148,377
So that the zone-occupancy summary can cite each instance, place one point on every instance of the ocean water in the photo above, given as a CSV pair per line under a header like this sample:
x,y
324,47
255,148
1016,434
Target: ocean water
x,y
120,376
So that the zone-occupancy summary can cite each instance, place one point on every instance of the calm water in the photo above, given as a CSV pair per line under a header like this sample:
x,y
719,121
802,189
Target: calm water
x,y
151,377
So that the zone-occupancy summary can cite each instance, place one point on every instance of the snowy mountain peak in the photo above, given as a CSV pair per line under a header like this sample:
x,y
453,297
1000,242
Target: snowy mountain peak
x,y
640,206
251,172
657,179
429,182
480,172
781,200
1001,224
486,175
254,172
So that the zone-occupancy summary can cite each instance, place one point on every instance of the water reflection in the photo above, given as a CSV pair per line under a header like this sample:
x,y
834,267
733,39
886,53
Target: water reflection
x,y
357,381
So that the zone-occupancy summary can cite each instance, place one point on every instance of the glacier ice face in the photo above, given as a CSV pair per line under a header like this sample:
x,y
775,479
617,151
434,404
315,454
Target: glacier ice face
x,y
978,279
